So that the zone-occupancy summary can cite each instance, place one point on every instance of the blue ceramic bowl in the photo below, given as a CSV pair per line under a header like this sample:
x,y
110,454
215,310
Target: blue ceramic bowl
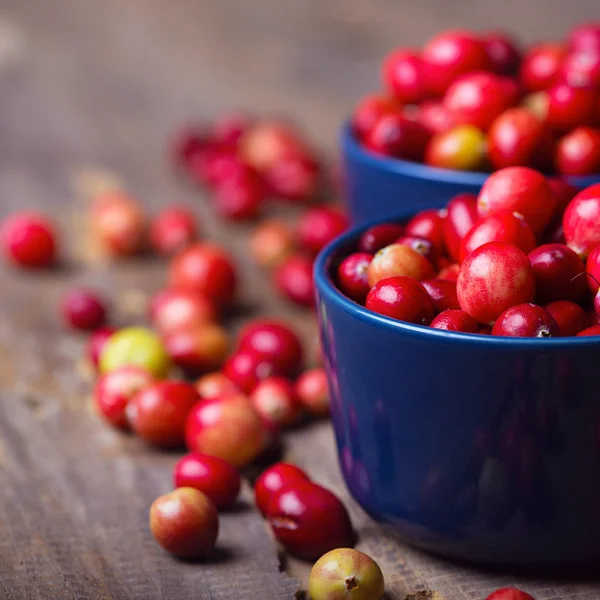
x,y
478,448
377,187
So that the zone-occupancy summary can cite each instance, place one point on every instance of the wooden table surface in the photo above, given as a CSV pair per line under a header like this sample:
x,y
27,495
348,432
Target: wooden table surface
x,y
89,91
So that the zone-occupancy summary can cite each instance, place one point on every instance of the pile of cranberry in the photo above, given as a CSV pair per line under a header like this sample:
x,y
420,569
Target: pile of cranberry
x,y
476,102
479,265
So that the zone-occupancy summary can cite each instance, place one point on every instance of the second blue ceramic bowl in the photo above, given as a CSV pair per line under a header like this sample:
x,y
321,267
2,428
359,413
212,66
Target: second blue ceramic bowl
x,y
480,448
378,187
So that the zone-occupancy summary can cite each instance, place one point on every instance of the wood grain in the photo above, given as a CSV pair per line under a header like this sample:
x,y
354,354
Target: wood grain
x,y
89,92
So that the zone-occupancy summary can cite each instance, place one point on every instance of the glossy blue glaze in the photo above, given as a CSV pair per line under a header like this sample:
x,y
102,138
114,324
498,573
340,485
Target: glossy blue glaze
x,y
376,187
475,447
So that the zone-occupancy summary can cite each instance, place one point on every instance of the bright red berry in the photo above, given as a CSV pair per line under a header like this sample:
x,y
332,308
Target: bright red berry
x,y
313,392
246,368
578,152
319,226
443,294
294,177
570,107
449,55
526,320
521,190
509,594
581,221
239,198
428,224
571,318
274,479
173,229
275,400
274,341
309,520
83,309
502,226
484,297
294,279
158,413
211,475
379,236
369,111
207,269
401,298
455,320
504,55
174,309
558,273
461,216
541,66
404,75
352,275
28,239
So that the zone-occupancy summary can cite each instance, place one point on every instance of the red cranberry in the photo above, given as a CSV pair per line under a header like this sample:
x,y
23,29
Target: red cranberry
x,y
526,320
461,148
83,309
313,392
593,330
211,475
477,99
379,236
449,55
229,127
199,348
585,37
294,279
449,273
504,55
207,269
578,152
518,138
581,221
215,384
96,343
518,189
226,427
172,229
114,390
118,224
401,298
246,368
174,309
309,520
502,226
557,270
274,399
582,70
398,260
404,76
218,164
352,276
274,341
571,318
239,198
435,117
271,242
428,224
158,413
369,111
461,215
485,297
28,239
396,135
455,320
320,225
509,594
422,246
264,144
541,66
272,480
443,294
294,177
569,107
185,523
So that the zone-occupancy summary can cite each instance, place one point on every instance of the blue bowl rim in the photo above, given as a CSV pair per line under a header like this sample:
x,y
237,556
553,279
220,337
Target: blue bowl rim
x,y
416,170
327,288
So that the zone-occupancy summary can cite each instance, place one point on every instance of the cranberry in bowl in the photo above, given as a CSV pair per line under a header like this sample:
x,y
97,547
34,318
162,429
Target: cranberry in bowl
x,y
475,446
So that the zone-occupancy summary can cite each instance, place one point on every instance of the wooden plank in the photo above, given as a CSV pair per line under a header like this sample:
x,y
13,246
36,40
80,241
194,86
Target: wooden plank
x,y
88,87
